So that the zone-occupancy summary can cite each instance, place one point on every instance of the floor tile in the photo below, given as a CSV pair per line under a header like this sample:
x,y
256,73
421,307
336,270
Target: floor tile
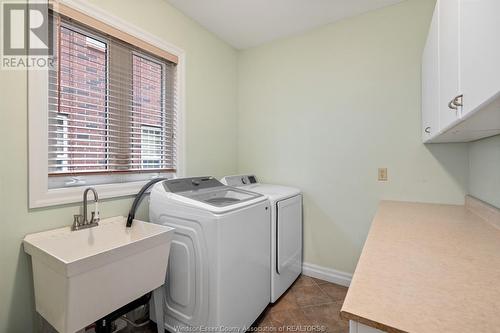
x,y
304,281
267,325
289,318
287,301
310,295
327,315
334,291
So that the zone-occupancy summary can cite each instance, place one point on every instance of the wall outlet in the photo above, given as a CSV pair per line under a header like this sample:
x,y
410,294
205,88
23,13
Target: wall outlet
x,y
382,174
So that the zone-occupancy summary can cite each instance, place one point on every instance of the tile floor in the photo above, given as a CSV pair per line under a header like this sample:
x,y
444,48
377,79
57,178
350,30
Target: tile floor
x,y
310,305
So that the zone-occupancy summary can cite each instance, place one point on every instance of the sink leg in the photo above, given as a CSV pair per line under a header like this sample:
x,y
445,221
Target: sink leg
x,y
159,314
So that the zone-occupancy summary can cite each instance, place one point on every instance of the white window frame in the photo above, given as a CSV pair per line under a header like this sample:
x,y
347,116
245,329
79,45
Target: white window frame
x,y
39,193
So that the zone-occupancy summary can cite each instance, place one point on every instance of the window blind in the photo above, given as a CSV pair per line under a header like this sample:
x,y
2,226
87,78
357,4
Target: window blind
x,y
111,106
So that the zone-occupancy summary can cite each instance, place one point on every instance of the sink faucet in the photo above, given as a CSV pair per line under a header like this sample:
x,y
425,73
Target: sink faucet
x,y
82,222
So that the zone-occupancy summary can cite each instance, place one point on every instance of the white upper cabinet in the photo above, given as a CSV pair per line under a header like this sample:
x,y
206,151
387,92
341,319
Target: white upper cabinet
x,y
465,79
430,81
480,51
449,61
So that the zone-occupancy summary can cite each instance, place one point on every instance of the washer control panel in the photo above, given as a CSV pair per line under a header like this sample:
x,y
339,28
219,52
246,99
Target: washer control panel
x,y
190,184
239,180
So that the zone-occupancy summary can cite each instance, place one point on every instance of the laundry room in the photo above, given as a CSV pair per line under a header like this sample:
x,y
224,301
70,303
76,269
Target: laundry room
x,y
249,166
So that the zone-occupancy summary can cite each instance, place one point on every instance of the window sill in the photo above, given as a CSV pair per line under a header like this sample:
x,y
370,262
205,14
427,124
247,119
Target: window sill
x,y
68,195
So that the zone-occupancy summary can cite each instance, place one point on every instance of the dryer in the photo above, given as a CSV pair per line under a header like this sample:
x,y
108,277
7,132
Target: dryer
x,y
219,265
286,229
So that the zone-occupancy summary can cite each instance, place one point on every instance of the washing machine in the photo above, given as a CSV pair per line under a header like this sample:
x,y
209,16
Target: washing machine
x,y
219,264
286,229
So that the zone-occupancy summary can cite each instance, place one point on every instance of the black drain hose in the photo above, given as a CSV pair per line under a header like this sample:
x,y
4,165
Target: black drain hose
x,y
138,198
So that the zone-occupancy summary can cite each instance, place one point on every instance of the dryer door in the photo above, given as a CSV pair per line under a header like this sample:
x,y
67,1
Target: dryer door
x,y
289,236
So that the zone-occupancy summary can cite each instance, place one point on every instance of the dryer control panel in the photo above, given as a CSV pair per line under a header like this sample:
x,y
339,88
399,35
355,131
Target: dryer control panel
x,y
239,180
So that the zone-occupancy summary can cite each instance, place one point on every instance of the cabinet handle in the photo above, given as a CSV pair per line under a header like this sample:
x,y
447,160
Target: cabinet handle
x,y
458,101
451,105
427,130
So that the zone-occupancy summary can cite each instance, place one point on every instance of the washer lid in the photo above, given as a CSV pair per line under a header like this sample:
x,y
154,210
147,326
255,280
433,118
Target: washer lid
x,y
209,191
223,197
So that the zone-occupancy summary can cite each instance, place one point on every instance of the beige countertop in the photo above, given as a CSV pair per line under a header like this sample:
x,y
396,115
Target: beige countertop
x,y
429,268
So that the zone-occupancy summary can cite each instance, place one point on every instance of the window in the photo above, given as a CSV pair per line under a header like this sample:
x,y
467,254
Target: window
x,y
114,98
78,89
112,104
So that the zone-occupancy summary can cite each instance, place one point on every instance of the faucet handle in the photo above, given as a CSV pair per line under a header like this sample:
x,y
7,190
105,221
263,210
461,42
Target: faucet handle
x,y
92,218
77,221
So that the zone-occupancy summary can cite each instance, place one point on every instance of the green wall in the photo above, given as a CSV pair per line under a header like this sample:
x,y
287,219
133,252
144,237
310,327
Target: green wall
x,y
324,110
211,143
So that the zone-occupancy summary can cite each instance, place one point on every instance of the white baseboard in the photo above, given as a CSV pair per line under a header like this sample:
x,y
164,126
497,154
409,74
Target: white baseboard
x,y
327,274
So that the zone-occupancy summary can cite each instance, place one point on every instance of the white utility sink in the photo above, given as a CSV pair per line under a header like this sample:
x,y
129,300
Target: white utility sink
x,y
81,276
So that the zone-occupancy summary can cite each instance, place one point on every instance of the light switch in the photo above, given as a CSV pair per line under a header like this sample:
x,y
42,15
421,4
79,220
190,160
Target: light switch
x,y
382,174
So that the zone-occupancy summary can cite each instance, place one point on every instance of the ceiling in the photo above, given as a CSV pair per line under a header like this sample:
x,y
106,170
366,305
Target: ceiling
x,y
247,23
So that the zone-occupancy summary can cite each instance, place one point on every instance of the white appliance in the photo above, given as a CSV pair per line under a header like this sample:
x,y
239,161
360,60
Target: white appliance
x,y
219,265
286,229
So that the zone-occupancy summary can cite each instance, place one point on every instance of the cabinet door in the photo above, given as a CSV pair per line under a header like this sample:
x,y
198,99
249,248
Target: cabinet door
x,y
430,80
480,51
449,55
